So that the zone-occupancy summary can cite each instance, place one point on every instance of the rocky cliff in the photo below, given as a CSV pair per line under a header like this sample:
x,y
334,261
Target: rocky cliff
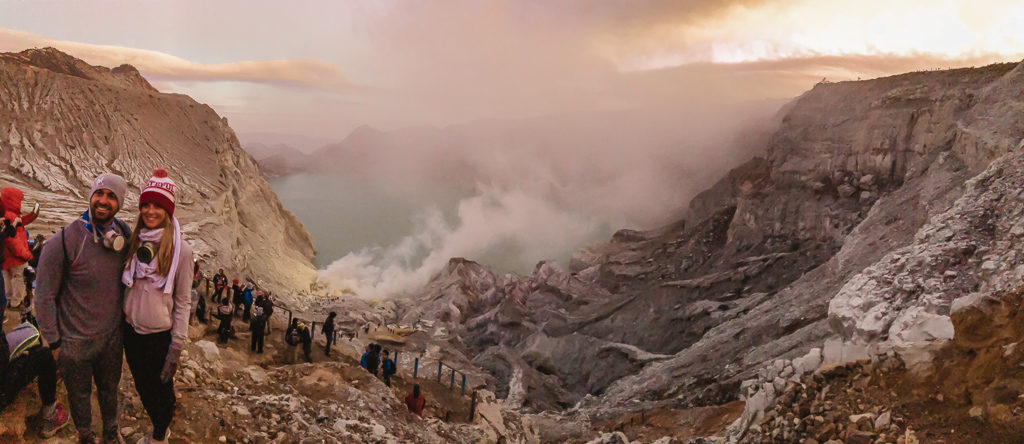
x,y
877,205
64,121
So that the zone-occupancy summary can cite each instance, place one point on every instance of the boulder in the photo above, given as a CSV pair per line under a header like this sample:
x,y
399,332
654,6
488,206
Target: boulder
x,y
210,350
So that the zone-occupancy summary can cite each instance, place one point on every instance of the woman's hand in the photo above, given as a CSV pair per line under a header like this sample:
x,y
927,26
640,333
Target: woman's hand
x,y
170,363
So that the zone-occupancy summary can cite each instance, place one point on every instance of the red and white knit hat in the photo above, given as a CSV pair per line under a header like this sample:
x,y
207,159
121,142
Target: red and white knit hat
x,y
159,191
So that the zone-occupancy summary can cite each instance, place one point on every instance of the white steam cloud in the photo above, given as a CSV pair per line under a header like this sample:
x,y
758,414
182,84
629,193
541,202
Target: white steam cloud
x,y
536,189
493,219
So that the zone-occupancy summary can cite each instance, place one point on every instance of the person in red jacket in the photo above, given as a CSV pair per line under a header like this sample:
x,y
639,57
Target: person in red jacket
x,y
415,401
16,251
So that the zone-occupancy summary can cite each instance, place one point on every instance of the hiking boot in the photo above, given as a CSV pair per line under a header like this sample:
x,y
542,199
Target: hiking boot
x,y
112,437
58,420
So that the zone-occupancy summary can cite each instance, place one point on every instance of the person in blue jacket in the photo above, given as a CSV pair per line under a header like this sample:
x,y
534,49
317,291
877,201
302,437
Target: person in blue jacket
x,y
362,360
247,299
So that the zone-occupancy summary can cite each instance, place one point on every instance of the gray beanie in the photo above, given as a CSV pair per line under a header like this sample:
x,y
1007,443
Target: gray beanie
x,y
112,182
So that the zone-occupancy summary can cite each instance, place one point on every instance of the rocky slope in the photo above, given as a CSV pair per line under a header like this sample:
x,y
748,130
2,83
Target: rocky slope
x,y
228,394
971,391
876,205
65,121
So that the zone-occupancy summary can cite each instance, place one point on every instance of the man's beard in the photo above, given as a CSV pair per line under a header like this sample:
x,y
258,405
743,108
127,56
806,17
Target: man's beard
x,y
95,218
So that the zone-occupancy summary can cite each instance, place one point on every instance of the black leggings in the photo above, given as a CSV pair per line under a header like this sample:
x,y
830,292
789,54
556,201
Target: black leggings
x,y
145,355
257,338
21,371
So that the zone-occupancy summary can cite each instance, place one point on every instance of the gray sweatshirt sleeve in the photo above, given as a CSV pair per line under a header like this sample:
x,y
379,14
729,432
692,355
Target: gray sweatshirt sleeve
x,y
49,275
182,295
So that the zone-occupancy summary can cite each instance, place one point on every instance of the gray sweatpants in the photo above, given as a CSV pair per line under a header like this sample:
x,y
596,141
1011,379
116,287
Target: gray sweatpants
x,y
83,362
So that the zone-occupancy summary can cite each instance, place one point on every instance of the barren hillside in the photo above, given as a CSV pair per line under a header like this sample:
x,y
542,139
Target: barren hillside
x,y
64,122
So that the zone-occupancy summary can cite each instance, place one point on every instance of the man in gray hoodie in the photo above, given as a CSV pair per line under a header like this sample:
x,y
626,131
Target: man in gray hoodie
x,y
79,300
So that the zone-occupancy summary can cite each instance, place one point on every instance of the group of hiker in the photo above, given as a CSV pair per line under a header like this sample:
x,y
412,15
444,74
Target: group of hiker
x,y
376,358
105,293
255,305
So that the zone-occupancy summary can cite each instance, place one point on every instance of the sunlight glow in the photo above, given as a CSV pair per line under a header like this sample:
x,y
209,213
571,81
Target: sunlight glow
x,y
944,29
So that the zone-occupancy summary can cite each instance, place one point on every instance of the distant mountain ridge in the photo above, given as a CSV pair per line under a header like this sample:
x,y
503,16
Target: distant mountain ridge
x,y
277,160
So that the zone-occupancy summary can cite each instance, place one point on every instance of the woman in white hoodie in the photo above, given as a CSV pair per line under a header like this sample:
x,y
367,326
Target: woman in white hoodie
x,y
158,276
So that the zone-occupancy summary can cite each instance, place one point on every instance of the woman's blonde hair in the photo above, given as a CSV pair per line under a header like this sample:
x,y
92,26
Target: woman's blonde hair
x,y
164,253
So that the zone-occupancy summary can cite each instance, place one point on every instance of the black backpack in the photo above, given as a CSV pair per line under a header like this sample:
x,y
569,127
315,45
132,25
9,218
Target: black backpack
x,y
292,336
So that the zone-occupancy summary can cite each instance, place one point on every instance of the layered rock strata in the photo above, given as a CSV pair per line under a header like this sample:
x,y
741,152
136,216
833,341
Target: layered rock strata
x,y
64,121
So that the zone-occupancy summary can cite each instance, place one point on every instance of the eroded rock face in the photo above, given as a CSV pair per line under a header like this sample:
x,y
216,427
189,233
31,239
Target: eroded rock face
x,y
64,122
855,172
963,260
968,252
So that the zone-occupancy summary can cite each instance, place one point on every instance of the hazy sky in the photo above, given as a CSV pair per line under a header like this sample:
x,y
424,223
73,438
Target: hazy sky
x,y
321,68
625,108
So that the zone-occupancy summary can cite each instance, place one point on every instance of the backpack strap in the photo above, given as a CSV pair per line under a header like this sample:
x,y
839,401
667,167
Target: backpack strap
x,y
22,339
64,271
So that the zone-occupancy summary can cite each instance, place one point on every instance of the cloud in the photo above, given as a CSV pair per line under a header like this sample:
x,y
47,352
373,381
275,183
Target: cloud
x,y
527,190
771,30
160,66
518,226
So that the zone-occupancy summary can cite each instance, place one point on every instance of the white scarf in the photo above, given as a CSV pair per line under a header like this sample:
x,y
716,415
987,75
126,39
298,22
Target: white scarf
x,y
136,269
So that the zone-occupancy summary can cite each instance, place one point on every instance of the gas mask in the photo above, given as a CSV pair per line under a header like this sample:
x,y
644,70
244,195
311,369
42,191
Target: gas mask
x,y
146,252
113,240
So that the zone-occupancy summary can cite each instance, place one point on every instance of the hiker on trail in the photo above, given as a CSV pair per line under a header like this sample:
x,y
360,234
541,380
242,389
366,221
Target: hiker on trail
x,y
306,337
6,231
224,313
237,298
16,251
28,275
158,299
36,247
200,309
256,323
328,331
220,282
247,296
80,304
416,401
197,278
268,310
387,368
365,358
370,359
22,359
292,338
374,362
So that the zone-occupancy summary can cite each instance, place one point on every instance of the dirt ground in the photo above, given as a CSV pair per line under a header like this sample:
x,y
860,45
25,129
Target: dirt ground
x,y
680,424
195,407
